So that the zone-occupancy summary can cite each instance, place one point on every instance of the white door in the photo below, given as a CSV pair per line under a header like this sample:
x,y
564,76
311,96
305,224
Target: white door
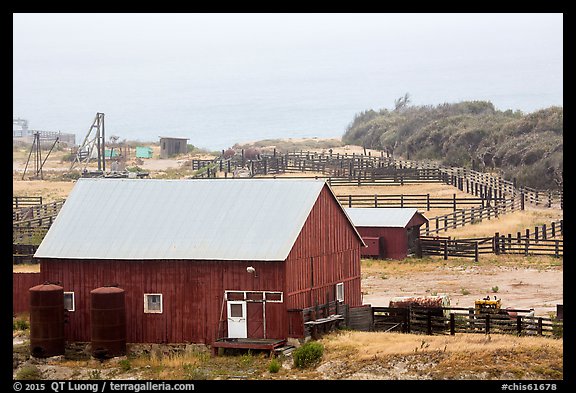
x,y
237,323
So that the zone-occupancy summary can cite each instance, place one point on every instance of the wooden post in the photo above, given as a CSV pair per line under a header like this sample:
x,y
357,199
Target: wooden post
x,y
487,323
553,229
375,200
522,201
452,324
454,202
446,249
429,322
428,202
418,248
556,249
536,233
519,325
349,200
496,243
475,251
539,331
543,231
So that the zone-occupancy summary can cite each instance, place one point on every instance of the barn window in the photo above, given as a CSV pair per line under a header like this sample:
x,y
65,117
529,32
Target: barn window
x,y
153,303
69,301
340,292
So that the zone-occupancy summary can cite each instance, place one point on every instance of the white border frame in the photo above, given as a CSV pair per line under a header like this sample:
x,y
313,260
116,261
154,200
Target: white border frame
x,y
73,300
338,286
146,310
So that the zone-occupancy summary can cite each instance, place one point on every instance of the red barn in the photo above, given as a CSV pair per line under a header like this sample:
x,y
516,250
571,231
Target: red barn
x,y
388,232
203,259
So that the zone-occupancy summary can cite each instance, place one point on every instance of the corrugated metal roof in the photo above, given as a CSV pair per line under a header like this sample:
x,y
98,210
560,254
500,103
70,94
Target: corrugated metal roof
x,y
218,219
380,217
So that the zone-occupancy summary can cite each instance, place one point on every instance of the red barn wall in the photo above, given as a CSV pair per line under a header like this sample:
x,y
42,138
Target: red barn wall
x,y
395,240
21,284
326,252
192,295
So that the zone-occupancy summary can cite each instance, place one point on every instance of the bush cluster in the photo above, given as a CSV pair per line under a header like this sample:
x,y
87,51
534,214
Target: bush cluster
x,y
308,354
470,134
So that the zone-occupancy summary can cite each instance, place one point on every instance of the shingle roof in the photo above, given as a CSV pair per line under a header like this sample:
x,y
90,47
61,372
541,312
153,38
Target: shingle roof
x,y
216,219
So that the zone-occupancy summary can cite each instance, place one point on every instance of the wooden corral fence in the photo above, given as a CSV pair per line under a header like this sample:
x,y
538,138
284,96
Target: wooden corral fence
x,y
452,320
28,222
420,201
23,253
540,242
473,215
362,169
21,283
37,211
25,201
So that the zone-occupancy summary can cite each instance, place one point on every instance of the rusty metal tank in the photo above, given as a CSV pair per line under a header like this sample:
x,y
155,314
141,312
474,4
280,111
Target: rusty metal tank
x,y
108,322
47,320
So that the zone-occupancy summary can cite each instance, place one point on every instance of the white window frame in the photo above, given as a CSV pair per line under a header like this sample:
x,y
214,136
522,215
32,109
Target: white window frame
x,y
73,301
340,292
148,311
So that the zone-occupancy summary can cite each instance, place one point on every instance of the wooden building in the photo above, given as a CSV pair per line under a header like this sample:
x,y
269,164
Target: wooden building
x,y
389,233
201,260
170,146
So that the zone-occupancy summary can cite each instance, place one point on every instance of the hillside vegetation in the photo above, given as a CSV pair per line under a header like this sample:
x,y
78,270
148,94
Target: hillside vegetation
x,y
470,134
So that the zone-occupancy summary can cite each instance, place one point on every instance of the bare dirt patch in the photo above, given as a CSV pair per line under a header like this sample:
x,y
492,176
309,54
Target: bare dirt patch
x,y
521,282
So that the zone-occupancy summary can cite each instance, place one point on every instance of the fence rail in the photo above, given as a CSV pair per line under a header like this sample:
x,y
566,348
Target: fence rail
x,y
25,201
473,215
540,244
421,201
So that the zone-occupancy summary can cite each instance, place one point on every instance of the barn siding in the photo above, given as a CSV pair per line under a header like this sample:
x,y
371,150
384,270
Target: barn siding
x,y
326,252
21,284
395,240
192,295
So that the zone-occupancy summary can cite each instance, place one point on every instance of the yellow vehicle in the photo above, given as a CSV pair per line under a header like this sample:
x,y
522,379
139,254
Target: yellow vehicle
x,y
487,306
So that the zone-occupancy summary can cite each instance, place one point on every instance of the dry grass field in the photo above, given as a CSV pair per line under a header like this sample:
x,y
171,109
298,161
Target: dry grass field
x,y
531,282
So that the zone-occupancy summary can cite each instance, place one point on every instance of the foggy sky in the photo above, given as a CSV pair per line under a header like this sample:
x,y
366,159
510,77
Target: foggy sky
x,y
94,59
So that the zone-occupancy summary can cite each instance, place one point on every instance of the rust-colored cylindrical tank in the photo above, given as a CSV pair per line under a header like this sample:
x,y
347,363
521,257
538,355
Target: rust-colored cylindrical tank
x,y
108,322
47,320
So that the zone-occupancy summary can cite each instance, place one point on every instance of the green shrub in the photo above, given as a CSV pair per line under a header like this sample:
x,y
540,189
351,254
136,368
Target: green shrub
x,y
20,324
29,373
308,354
274,366
125,365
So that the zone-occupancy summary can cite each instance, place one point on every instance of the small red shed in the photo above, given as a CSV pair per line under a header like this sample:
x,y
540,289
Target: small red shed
x,y
389,233
206,259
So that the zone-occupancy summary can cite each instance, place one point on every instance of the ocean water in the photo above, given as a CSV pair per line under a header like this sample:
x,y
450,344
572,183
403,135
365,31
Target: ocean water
x,y
218,96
